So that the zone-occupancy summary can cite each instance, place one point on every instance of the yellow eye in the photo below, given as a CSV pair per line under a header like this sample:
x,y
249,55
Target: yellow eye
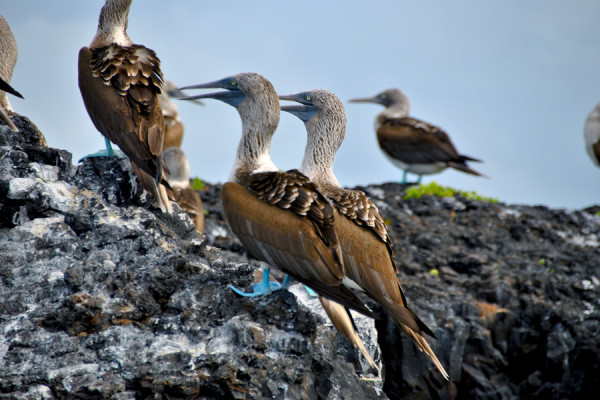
x,y
233,82
308,97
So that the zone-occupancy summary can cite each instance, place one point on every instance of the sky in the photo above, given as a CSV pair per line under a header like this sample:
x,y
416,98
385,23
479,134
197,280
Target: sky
x,y
510,81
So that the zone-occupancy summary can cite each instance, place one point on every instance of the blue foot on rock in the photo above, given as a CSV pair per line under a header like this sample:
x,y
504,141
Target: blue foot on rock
x,y
403,178
265,287
310,292
108,152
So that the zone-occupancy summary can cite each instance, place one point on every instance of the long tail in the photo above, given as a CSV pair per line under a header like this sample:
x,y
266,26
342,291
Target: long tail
x,y
462,166
158,191
422,344
414,328
341,319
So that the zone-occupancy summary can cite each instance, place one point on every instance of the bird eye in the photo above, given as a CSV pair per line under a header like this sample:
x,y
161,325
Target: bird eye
x,y
308,97
233,82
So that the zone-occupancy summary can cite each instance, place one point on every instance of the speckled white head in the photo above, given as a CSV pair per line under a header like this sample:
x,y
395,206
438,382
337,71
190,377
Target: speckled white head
x,y
325,120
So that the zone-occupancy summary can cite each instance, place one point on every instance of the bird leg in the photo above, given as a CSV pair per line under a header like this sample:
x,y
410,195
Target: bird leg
x,y
109,152
266,286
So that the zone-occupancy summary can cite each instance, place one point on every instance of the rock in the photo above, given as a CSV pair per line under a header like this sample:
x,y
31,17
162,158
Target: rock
x,y
104,296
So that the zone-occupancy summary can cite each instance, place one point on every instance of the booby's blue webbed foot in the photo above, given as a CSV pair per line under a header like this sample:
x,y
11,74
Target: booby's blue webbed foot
x,y
403,182
108,152
265,287
310,292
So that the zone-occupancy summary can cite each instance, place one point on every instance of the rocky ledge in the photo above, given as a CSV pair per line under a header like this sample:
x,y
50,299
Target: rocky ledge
x,y
103,296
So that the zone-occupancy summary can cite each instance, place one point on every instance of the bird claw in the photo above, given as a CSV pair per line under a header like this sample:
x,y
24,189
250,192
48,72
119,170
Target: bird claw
x,y
310,292
108,152
263,288
105,153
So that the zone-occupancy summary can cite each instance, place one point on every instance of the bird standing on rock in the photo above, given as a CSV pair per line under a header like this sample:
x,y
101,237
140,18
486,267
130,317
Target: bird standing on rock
x,y
411,144
366,246
120,83
280,217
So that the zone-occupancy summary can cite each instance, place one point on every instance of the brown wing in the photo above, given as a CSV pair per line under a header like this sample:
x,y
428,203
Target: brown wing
x,y
282,231
119,86
368,262
416,142
357,207
191,202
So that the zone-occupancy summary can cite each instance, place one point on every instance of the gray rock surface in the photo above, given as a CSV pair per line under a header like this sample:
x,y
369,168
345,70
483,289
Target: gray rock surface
x,y
103,296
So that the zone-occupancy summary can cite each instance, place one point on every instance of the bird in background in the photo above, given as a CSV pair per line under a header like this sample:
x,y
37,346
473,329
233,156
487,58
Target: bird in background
x,y
366,245
591,132
178,176
173,125
120,83
8,59
280,217
411,144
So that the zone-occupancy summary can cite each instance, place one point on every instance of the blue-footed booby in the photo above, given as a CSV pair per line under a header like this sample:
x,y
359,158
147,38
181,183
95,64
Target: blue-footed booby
x,y
411,144
591,132
8,59
280,217
120,83
366,246
178,176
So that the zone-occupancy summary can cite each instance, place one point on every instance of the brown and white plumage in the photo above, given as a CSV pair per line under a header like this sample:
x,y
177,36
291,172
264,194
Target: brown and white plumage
x,y
178,176
366,246
279,217
591,132
8,59
120,83
411,144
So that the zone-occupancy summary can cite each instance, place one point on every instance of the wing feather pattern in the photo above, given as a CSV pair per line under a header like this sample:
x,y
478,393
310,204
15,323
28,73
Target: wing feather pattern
x,y
282,219
417,142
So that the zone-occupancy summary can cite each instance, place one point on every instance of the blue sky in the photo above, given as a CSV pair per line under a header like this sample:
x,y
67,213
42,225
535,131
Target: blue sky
x,y
511,82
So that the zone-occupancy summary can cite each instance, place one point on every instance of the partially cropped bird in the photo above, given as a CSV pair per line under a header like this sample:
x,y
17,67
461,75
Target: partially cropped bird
x,y
280,217
591,132
178,176
366,245
173,124
120,83
411,144
8,59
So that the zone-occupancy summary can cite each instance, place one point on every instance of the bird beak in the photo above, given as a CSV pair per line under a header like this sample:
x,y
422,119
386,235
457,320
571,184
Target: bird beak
x,y
305,112
9,89
233,96
366,100
178,94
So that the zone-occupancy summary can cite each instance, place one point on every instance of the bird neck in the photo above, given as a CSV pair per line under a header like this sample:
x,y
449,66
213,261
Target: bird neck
x,y
319,155
395,110
253,152
112,24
